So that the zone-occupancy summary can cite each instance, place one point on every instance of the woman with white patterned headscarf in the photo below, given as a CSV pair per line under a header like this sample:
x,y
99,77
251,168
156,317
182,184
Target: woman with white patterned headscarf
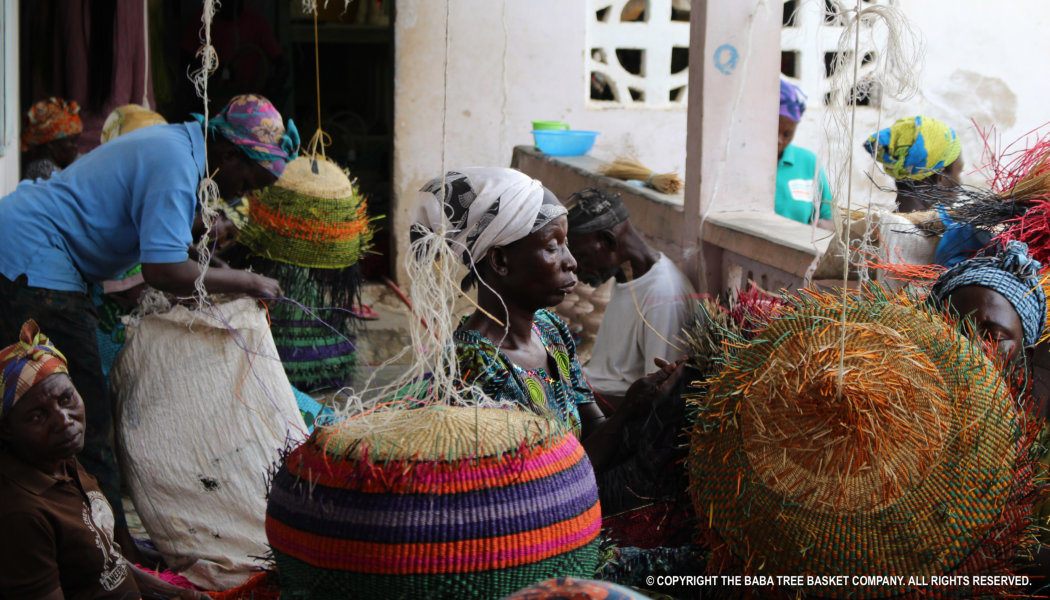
x,y
511,233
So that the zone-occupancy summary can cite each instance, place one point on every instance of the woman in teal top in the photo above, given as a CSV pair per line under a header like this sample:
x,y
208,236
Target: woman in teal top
x,y
801,182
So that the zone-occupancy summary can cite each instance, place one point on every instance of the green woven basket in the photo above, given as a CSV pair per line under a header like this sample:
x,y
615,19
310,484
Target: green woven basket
x,y
314,216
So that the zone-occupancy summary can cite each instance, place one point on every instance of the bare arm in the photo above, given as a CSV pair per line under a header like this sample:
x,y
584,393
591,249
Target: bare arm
x,y
179,279
54,595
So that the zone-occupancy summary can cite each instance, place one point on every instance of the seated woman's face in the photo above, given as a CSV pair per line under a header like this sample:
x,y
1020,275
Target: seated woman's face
x,y
995,319
47,423
540,270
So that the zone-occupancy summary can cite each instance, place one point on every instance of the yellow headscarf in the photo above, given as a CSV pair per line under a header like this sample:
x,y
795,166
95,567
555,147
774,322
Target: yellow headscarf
x,y
914,147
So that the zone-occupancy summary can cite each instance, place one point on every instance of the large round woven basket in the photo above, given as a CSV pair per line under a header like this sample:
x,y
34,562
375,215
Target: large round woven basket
x,y
313,216
904,455
438,502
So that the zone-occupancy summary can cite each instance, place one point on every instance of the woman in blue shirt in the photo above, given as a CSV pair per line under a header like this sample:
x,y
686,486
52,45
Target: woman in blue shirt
x,y
132,200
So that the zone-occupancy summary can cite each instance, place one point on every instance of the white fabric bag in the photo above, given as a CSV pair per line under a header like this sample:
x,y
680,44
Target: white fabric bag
x,y
202,413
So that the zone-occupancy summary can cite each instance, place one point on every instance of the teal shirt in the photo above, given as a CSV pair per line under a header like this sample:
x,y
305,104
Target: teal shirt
x,y
795,186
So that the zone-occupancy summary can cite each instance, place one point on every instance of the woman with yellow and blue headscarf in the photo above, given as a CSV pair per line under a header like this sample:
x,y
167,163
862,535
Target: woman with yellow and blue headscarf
x,y
921,154
924,157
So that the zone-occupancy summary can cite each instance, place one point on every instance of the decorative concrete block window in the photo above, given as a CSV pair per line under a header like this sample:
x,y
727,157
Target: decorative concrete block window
x,y
809,50
637,53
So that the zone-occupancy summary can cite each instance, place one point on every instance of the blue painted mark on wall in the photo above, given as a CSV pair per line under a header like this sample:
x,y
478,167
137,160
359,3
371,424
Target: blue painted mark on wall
x,y
725,58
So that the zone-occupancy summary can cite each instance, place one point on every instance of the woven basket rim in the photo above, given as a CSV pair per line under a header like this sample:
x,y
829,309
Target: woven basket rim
x,y
435,433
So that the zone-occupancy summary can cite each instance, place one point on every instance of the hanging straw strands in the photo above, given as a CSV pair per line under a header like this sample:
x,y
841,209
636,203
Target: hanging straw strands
x,y
433,375
207,189
892,72
632,169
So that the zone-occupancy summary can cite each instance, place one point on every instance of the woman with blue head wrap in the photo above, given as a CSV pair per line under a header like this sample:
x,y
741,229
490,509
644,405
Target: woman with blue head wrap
x,y
1001,294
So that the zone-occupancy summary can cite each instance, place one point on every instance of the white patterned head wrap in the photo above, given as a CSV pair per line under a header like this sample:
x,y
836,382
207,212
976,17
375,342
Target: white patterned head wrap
x,y
480,208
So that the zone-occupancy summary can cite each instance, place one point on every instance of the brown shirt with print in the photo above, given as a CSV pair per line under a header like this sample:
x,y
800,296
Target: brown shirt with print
x,y
58,533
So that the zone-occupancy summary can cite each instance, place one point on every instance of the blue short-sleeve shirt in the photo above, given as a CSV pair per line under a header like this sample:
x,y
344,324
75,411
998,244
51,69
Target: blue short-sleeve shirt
x,y
131,200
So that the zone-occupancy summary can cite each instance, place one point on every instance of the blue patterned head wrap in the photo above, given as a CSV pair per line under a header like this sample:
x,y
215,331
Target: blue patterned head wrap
x,y
1012,273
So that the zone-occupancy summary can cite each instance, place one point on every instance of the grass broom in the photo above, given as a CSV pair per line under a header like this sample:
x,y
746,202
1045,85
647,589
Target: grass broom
x,y
631,168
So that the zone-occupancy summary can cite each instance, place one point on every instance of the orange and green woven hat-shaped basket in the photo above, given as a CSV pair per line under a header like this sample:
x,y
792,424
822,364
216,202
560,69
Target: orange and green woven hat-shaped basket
x,y
314,216
436,502
900,452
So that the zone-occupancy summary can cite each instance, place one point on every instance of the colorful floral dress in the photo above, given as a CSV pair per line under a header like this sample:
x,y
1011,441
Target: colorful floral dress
x,y
557,390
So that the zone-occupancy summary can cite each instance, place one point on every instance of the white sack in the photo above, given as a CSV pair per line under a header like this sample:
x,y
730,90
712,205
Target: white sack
x,y
201,415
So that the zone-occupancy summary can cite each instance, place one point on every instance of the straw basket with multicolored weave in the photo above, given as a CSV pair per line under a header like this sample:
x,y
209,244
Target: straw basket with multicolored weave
x,y
890,446
308,231
436,502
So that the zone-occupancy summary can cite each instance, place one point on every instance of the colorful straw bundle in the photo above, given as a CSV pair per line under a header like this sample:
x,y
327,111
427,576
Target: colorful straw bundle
x,y
308,231
437,502
903,455
1017,204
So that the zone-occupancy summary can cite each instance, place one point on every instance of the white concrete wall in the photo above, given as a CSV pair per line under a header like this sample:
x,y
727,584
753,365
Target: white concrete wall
x,y
11,111
510,62
513,61
983,62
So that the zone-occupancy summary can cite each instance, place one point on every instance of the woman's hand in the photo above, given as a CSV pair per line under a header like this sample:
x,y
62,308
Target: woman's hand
x,y
603,442
262,286
661,383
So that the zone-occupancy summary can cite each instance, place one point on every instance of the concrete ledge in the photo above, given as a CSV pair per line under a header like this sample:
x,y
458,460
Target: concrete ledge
x,y
588,166
658,216
768,238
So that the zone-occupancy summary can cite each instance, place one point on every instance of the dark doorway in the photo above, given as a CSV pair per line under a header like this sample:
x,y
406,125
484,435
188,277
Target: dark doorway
x,y
264,46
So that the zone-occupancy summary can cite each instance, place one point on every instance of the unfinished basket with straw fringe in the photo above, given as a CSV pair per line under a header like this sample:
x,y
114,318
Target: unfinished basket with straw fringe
x,y
308,231
437,502
915,463
314,216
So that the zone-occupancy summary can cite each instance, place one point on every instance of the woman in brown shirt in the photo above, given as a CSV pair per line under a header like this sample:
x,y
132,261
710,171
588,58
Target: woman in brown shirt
x,y
57,526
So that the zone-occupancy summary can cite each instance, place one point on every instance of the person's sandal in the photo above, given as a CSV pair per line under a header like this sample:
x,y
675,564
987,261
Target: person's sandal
x,y
364,312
